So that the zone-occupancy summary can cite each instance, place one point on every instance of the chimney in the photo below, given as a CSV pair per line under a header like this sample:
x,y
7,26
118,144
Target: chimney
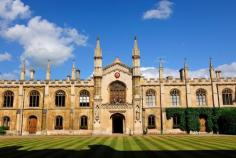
x,y
68,77
181,73
77,74
32,74
218,74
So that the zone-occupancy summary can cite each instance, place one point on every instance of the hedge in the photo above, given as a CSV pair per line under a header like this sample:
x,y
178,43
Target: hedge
x,y
189,119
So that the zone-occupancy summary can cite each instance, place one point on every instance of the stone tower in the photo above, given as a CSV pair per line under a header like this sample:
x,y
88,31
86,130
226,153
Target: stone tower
x,y
136,76
97,85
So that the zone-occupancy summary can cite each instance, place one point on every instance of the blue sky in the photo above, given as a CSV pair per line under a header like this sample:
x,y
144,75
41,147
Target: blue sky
x,y
168,29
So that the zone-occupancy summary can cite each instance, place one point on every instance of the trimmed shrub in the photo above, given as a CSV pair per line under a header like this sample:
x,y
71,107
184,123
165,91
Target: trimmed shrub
x,y
227,122
2,130
222,120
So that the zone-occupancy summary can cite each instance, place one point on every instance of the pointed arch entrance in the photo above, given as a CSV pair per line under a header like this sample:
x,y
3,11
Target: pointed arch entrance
x,y
118,123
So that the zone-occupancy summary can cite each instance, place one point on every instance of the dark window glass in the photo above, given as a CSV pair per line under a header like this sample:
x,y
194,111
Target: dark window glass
x,y
117,92
60,98
151,122
8,99
84,122
6,122
227,96
34,99
59,123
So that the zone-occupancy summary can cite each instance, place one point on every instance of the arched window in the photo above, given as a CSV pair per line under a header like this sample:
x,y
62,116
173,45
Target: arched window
x,y
6,122
150,98
84,98
175,101
34,99
201,97
8,99
59,122
227,96
83,122
117,92
60,98
176,121
151,122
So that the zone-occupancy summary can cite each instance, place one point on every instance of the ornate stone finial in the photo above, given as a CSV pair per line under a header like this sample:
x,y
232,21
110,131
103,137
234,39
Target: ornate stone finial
x,y
117,60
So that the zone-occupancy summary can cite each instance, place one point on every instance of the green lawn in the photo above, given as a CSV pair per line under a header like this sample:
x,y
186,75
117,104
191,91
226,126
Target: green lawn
x,y
118,146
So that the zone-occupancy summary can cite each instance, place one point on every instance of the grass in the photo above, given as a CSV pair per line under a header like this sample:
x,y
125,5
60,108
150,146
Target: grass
x,y
118,146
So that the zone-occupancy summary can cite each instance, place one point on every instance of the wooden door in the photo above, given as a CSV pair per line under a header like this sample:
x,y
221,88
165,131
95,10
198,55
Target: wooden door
x,y
32,125
202,122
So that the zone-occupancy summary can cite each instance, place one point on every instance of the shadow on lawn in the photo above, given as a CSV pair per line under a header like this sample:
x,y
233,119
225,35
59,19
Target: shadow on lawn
x,y
103,151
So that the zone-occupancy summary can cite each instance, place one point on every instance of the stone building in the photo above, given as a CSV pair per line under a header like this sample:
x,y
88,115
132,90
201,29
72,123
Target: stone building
x,y
117,99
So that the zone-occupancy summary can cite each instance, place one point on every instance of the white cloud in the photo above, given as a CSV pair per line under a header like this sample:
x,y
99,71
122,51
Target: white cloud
x,y
43,40
5,57
9,75
13,9
162,10
228,70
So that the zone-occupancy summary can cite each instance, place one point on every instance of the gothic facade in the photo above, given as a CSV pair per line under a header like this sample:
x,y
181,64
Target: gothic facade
x,y
117,99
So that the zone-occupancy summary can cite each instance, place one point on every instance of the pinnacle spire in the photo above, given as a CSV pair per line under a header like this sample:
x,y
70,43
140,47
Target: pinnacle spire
x,y
185,63
48,73
136,52
211,69
73,72
98,43
23,68
135,42
160,63
210,63
98,51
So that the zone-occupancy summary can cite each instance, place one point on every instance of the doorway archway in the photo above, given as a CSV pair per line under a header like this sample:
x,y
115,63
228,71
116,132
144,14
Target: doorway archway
x,y
118,123
32,124
202,123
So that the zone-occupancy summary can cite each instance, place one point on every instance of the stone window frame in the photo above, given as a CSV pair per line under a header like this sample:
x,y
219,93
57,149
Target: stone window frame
x,y
6,122
227,96
8,99
83,122
34,98
175,97
84,98
60,98
58,122
201,97
150,97
151,121
122,92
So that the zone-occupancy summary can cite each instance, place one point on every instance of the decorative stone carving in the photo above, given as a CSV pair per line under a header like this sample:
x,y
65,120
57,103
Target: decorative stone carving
x,y
116,106
137,112
97,113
